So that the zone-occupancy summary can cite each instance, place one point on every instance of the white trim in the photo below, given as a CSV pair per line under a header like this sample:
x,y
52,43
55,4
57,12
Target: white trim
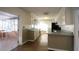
x,y
56,49
27,41
76,37
24,42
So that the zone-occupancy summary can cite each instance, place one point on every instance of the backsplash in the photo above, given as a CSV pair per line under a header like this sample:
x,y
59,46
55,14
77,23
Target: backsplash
x,y
68,27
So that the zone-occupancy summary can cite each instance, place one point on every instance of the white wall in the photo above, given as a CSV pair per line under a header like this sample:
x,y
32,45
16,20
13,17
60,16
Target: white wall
x,y
76,29
24,18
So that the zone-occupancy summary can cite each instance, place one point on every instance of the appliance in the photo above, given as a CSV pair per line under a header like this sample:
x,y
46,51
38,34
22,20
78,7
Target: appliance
x,y
55,27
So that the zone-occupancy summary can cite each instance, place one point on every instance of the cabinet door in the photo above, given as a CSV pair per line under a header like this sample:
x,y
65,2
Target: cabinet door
x,y
68,16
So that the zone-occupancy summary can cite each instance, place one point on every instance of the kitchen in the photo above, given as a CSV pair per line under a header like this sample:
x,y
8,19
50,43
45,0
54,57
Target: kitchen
x,y
59,39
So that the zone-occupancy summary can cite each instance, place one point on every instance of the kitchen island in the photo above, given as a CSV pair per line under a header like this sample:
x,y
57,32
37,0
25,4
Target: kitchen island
x,y
62,40
30,35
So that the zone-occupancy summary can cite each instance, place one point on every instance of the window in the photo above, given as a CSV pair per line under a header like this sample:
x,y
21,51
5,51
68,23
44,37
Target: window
x,y
8,25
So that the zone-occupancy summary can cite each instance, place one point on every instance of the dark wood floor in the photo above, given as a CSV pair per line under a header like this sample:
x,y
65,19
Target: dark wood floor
x,y
40,44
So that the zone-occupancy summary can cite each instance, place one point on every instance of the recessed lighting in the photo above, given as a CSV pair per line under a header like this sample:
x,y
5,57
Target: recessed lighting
x,y
46,17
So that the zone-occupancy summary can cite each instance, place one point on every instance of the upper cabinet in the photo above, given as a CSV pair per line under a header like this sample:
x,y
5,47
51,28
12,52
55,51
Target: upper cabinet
x,y
65,16
60,17
68,16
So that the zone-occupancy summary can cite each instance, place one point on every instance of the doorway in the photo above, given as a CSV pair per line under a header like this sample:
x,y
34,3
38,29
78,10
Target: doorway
x,y
8,31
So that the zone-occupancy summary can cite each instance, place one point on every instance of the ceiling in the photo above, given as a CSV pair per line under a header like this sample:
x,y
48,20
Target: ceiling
x,y
39,11
4,15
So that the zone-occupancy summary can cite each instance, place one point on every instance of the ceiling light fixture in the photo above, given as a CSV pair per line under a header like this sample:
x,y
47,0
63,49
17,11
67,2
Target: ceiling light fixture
x,y
46,17
46,13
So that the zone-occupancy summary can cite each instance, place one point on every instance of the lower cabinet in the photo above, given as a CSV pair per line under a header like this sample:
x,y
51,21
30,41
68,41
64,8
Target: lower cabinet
x,y
30,35
60,42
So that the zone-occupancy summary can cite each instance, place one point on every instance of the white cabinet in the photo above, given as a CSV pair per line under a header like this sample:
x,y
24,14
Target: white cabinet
x,y
68,16
65,16
60,18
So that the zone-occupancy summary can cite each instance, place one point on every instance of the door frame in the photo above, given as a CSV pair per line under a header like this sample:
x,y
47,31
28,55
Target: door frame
x,y
18,18
76,30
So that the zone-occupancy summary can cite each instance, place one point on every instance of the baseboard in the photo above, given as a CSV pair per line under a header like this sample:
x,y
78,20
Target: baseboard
x,y
28,41
24,42
38,37
56,49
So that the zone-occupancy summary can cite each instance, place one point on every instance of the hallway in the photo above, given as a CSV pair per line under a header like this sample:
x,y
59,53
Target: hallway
x,y
40,44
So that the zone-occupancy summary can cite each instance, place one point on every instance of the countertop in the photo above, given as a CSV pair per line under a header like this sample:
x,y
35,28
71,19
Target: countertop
x,y
66,33
31,29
